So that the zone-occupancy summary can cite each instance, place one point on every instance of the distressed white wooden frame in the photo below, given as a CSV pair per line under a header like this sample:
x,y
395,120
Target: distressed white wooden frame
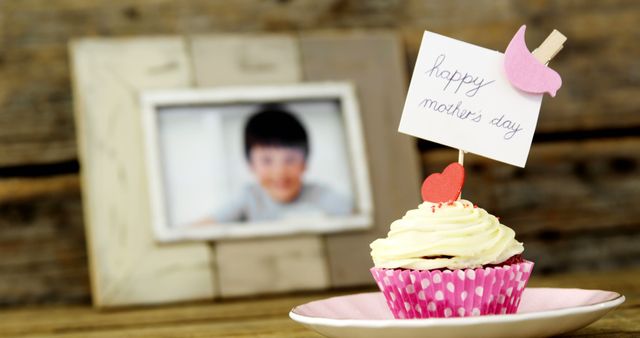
x,y
343,92
128,265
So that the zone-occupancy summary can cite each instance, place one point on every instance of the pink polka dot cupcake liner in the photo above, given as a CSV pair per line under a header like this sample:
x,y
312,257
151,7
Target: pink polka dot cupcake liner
x,y
453,293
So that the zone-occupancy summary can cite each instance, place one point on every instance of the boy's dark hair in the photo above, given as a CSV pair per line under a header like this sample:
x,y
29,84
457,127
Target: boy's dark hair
x,y
273,125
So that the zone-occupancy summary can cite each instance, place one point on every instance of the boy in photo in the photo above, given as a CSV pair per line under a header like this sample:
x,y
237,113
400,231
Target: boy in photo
x,y
277,149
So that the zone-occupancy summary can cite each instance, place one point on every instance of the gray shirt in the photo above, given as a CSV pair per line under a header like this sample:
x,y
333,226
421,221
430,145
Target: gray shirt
x,y
254,204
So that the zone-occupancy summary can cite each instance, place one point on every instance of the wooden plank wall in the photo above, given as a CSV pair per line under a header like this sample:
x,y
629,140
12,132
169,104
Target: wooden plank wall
x,y
574,204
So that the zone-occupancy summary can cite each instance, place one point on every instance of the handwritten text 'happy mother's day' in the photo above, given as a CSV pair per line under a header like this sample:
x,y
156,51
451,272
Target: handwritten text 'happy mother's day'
x,y
469,85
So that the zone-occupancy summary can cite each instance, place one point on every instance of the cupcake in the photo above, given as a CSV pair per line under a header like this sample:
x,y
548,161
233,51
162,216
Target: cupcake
x,y
449,258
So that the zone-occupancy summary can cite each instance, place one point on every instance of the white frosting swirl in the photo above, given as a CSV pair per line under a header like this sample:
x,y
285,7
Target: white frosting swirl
x,y
454,235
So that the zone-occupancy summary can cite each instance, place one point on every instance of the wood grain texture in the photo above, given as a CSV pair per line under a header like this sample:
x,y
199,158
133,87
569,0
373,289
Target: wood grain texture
x,y
226,60
268,317
283,264
127,265
42,248
380,85
599,97
36,115
588,181
264,265
599,79
18,189
574,205
597,63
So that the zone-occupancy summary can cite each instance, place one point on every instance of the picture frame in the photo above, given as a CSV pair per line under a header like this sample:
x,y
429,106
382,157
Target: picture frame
x,y
192,104
127,264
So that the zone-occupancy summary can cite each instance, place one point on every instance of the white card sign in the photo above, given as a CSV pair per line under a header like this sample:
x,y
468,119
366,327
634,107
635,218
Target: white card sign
x,y
460,96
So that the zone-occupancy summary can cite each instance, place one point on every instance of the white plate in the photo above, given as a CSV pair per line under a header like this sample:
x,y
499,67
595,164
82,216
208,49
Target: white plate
x,y
543,312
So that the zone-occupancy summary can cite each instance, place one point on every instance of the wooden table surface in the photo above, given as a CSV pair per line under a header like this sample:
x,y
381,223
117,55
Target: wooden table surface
x,y
267,317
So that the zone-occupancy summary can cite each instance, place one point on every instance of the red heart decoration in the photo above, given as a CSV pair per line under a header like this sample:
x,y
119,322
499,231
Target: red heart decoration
x,y
444,187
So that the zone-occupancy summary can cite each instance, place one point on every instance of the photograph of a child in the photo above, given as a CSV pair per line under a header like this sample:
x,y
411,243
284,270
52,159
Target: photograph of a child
x,y
274,163
277,147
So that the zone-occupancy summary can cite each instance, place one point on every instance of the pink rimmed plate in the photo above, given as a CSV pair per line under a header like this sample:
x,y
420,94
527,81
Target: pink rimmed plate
x,y
543,312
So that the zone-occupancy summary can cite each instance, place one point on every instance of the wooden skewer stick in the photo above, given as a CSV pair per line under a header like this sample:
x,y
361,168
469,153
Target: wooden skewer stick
x,y
461,161
549,47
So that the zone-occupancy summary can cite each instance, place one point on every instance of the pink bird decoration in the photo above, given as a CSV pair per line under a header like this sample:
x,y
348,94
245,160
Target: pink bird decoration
x,y
525,72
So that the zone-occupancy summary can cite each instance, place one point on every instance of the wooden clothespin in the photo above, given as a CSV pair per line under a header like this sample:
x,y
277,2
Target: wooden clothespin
x,y
549,47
